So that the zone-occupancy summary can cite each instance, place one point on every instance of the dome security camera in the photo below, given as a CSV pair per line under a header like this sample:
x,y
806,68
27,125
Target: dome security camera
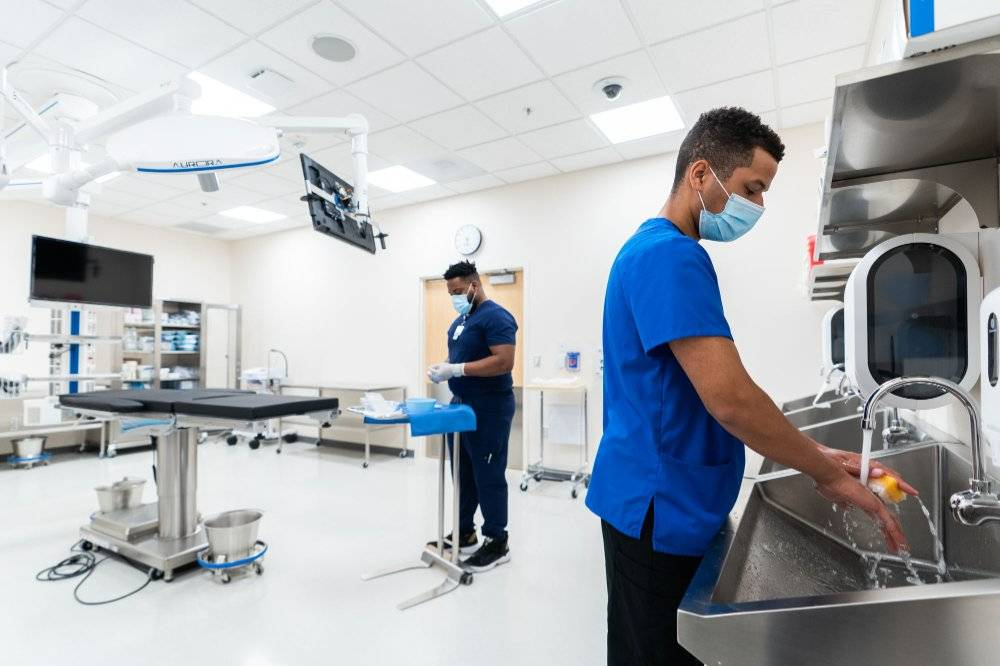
x,y
611,89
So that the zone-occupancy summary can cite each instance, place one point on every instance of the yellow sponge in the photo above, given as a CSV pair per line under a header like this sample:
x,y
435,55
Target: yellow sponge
x,y
887,488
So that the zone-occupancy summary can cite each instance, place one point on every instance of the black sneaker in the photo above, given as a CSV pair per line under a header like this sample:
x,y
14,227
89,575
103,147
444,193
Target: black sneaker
x,y
469,543
493,553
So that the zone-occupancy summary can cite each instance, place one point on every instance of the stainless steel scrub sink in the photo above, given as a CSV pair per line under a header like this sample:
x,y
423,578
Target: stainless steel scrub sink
x,y
833,410
808,400
788,584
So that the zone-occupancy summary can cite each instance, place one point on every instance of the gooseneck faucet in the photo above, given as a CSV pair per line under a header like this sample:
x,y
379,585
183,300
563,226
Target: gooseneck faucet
x,y
979,503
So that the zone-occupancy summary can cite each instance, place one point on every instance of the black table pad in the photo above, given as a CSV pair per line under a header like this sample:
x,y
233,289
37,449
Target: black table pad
x,y
219,403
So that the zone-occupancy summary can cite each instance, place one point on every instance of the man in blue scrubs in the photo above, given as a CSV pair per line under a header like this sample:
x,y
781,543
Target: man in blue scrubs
x,y
678,403
480,359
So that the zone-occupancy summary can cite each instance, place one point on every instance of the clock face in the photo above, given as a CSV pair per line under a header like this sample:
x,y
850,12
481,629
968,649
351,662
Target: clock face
x,y
468,239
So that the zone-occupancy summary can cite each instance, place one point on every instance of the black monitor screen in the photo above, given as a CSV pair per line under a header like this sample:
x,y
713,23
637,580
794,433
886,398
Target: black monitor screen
x,y
837,337
69,272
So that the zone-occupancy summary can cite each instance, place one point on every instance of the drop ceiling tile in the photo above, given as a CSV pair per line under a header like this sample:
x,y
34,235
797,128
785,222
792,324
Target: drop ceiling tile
x,y
476,184
573,33
529,172
302,142
654,145
199,228
106,209
151,218
429,193
24,21
178,212
576,136
459,128
64,5
503,154
754,93
291,206
131,66
293,38
341,103
662,19
587,160
289,168
234,69
813,79
229,196
151,187
406,93
8,53
548,107
732,50
252,16
445,168
812,27
484,64
417,26
803,114
120,198
337,159
176,30
641,82
265,183
401,144
227,223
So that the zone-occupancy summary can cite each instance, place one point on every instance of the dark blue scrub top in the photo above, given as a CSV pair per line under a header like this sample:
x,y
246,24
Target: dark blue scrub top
x,y
660,444
487,326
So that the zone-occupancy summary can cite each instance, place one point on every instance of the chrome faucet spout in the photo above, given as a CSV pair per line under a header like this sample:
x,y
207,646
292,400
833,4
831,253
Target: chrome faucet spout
x,y
979,503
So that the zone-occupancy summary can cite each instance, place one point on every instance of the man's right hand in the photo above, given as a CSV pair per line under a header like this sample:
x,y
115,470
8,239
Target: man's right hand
x,y
847,490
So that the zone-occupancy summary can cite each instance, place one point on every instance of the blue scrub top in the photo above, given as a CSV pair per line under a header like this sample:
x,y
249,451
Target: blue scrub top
x,y
660,444
470,338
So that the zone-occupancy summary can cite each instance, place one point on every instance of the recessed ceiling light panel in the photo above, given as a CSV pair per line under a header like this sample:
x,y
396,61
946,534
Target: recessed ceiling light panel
x,y
398,179
640,120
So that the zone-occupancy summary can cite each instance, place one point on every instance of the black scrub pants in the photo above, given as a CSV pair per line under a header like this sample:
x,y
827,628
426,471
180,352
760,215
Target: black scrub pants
x,y
483,463
645,588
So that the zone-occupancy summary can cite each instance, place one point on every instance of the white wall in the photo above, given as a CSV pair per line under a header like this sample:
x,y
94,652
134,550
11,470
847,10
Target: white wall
x,y
185,266
343,315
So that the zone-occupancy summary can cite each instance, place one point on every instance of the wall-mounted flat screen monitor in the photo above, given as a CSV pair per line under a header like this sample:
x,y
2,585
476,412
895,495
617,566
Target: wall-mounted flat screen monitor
x,y
66,272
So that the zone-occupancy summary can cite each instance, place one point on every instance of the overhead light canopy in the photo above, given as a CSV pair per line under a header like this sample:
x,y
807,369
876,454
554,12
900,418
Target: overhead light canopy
x,y
637,121
398,179
251,214
218,99
504,7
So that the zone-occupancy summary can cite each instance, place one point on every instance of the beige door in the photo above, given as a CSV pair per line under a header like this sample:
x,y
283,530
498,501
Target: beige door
x,y
438,316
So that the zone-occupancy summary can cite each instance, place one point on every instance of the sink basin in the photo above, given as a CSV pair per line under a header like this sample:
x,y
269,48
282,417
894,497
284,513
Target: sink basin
x,y
842,433
832,411
787,584
807,401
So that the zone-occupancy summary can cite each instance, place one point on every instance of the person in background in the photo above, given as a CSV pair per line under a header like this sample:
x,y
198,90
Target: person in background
x,y
678,403
478,371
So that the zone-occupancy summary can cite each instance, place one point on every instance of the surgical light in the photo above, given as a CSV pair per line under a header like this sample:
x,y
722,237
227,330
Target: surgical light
x,y
251,214
640,120
504,7
218,99
110,176
398,179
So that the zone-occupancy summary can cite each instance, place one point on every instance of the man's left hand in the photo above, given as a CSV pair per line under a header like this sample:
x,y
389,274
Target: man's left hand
x,y
444,371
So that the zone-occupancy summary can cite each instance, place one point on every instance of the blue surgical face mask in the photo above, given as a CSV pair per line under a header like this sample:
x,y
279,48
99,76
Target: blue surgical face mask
x,y
461,303
738,217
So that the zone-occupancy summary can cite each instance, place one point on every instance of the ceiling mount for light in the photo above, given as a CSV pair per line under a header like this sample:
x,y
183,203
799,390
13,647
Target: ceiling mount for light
x,y
333,48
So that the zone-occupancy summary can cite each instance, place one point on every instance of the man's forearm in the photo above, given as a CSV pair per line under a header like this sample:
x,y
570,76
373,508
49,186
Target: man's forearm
x,y
756,421
491,366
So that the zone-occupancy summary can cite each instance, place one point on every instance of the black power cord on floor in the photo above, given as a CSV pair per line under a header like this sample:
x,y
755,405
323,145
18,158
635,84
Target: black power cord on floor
x,y
83,563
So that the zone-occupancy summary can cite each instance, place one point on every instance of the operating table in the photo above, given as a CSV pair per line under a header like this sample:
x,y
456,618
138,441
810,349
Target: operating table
x,y
166,535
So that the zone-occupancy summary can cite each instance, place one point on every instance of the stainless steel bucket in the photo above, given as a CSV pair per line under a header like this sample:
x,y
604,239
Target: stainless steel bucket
x,y
28,447
124,494
232,534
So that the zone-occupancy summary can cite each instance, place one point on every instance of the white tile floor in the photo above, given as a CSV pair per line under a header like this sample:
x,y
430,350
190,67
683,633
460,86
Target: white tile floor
x,y
327,521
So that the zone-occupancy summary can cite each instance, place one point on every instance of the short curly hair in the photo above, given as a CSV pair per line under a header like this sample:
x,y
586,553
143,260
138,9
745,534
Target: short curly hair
x,y
463,269
726,137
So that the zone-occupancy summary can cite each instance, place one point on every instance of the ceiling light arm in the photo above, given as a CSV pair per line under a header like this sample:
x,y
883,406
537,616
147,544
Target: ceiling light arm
x,y
24,109
172,96
63,188
356,126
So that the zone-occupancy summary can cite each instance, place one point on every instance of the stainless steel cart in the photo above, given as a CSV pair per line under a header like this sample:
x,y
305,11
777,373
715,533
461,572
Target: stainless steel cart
x,y
538,470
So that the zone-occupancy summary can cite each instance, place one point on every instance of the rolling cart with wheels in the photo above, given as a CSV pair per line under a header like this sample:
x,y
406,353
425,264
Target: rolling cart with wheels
x,y
538,470
454,419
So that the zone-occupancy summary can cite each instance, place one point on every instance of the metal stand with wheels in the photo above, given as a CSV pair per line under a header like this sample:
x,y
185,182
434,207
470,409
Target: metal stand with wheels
x,y
455,575
538,471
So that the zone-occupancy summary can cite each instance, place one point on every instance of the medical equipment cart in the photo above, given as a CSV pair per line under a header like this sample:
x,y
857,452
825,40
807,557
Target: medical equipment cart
x,y
454,419
538,470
